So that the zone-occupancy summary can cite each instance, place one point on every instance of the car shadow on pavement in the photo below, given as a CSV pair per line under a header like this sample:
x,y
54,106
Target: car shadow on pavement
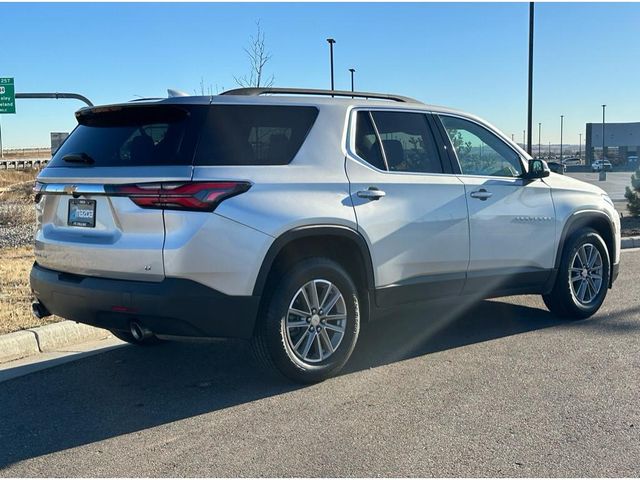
x,y
132,389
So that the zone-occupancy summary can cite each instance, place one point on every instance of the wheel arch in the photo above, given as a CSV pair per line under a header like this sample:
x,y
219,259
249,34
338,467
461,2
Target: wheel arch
x,y
596,219
334,241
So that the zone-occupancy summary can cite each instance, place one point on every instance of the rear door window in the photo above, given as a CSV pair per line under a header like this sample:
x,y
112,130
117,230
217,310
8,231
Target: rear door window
x,y
367,144
407,142
254,134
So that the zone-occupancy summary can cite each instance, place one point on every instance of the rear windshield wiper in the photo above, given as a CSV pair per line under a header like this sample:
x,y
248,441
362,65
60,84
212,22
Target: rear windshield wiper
x,y
78,158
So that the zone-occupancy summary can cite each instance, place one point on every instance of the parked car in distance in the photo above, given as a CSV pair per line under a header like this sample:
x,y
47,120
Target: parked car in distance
x,y
600,165
289,217
632,159
557,167
572,161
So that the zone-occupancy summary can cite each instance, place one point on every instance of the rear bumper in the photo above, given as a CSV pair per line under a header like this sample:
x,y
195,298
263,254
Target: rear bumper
x,y
173,306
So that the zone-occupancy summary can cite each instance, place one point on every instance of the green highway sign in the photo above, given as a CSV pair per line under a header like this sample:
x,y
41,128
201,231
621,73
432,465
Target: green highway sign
x,y
7,95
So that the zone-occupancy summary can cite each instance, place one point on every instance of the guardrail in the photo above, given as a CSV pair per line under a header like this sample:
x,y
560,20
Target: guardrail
x,y
22,164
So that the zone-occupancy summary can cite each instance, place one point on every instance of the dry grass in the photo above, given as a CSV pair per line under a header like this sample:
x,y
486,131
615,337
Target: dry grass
x,y
18,153
15,293
16,197
9,178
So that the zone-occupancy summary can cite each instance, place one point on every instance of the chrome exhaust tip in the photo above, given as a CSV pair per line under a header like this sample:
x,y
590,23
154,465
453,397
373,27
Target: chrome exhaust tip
x,y
39,310
139,332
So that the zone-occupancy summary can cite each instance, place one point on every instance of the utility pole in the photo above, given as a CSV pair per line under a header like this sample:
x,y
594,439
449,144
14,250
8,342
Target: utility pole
x,y
530,107
352,70
539,134
331,41
603,156
549,157
524,140
512,138
580,147
561,127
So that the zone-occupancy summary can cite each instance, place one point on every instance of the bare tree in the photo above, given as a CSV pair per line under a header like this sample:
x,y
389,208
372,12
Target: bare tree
x,y
204,89
258,58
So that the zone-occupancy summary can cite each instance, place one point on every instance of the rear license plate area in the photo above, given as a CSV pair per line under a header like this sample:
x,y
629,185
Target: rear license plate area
x,y
82,213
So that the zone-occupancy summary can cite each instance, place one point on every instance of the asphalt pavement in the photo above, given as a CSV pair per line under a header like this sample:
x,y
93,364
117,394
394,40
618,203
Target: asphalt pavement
x,y
614,185
497,388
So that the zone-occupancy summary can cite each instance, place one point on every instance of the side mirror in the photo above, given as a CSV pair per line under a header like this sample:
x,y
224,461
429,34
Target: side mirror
x,y
537,169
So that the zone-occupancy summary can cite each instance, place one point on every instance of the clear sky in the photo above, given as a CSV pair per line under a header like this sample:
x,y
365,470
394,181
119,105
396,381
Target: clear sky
x,y
468,56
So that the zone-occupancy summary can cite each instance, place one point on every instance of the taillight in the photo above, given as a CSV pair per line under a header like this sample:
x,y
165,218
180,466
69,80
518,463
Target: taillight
x,y
198,196
37,191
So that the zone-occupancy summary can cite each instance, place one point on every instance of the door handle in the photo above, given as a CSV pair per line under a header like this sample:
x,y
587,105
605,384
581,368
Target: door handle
x,y
372,193
481,194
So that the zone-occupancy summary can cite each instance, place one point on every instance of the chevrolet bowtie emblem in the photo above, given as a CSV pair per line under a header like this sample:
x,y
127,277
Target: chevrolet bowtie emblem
x,y
70,189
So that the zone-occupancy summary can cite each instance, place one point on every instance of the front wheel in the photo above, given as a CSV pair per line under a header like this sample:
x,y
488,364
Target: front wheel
x,y
583,279
311,321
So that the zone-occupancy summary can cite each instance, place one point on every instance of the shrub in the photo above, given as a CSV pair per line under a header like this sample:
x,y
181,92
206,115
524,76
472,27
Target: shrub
x,y
633,195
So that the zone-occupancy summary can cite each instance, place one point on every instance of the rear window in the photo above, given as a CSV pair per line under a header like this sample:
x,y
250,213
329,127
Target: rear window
x,y
254,134
160,135
132,136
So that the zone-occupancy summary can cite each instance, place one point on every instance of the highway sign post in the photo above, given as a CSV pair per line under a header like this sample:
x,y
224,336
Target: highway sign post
x,y
7,102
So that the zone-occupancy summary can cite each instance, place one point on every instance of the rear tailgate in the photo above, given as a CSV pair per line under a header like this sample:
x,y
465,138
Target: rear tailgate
x,y
125,241
83,228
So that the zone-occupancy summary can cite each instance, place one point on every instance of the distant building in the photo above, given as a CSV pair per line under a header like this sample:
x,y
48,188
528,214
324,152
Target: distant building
x,y
621,141
56,140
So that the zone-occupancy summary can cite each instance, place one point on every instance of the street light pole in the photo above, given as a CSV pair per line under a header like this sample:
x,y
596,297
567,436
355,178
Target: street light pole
x,y
561,128
539,134
331,41
352,70
549,157
524,140
580,148
603,156
530,106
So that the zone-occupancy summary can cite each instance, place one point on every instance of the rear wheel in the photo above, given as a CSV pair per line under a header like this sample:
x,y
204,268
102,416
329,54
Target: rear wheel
x,y
311,321
582,282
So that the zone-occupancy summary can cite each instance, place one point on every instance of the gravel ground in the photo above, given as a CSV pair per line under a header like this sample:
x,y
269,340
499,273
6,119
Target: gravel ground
x,y
14,230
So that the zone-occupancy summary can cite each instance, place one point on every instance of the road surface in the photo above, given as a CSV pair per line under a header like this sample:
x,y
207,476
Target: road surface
x,y
500,388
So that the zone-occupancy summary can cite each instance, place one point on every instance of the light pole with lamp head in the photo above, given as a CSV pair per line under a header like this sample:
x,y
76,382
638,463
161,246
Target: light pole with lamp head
x,y
331,41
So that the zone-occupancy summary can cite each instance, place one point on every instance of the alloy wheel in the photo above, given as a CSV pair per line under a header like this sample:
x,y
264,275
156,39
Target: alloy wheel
x,y
585,274
316,321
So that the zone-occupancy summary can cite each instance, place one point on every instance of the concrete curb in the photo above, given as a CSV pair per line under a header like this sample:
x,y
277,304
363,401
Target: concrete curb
x,y
630,242
48,338
17,345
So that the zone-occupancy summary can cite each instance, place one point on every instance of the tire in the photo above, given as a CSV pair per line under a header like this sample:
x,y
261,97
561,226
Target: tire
x,y
575,298
127,337
296,344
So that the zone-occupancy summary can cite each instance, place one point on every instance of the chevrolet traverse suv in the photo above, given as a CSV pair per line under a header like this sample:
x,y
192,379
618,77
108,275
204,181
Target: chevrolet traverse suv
x,y
291,216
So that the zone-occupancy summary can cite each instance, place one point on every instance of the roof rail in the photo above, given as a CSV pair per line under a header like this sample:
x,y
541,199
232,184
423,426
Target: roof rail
x,y
253,91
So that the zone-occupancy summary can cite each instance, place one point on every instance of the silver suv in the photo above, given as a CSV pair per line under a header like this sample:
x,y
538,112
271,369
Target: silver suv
x,y
289,217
